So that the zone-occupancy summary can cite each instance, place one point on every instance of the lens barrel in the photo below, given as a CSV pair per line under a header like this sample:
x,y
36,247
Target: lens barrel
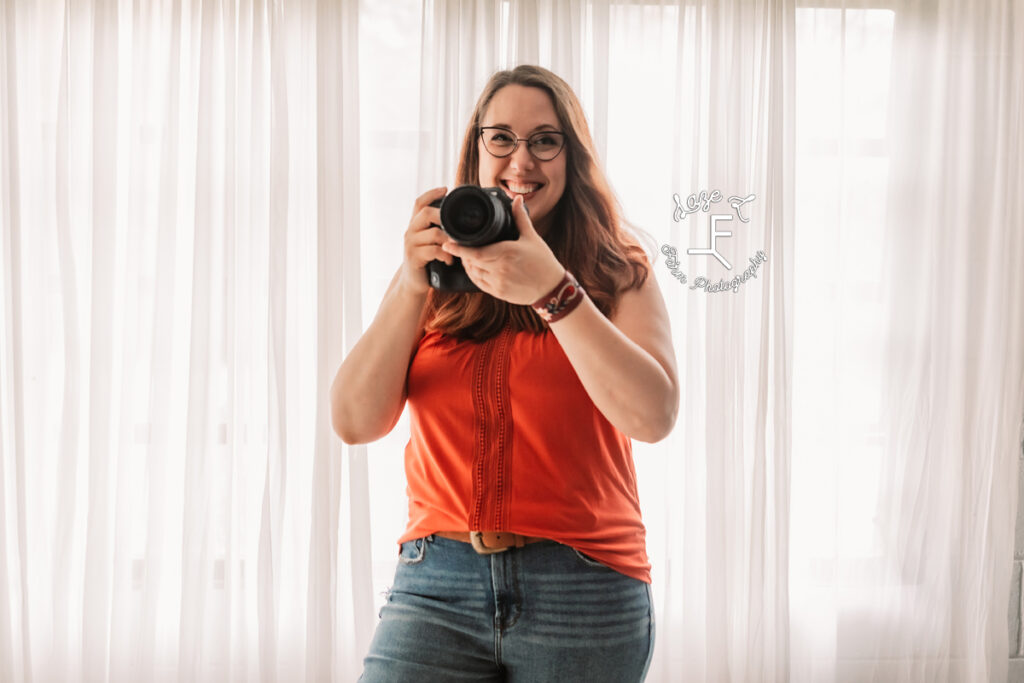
x,y
475,216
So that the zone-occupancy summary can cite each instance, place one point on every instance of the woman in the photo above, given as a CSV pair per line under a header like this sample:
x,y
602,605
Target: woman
x,y
524,558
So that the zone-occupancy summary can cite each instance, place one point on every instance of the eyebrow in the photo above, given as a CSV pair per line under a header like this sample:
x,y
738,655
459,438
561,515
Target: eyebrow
x,y
543,126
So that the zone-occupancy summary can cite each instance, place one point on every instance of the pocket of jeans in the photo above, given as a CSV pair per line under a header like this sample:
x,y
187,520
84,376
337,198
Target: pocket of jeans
x,y
588,560
413,552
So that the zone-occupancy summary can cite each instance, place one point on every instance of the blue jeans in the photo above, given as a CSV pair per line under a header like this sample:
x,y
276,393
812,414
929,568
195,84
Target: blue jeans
x,y
543,612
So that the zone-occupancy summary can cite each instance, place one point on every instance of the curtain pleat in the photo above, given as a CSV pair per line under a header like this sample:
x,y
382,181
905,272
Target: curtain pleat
x,y
66,489
102,360
151,572
274,564
340,635
15,636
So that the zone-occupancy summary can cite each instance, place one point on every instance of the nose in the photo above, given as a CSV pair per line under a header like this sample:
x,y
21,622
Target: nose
x,y
521,158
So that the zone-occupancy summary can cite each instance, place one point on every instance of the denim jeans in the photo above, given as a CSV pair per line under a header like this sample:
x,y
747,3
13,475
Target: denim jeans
x,y
540,613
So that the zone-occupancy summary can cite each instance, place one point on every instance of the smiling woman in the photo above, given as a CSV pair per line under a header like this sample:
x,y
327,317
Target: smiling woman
x,y
523,399
537,173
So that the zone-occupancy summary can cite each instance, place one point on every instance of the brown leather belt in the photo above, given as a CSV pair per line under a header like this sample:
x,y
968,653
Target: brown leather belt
x,y
490,542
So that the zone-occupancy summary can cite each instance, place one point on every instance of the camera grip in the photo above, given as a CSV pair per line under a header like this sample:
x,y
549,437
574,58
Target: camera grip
x,y
451,278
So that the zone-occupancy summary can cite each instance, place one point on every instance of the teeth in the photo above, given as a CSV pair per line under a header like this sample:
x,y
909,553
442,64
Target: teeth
x,y
521,189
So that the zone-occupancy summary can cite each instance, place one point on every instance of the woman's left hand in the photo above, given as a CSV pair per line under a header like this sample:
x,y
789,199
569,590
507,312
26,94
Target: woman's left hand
x,y
517,271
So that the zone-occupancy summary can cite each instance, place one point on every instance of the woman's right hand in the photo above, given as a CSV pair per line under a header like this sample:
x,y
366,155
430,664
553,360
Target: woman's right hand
x,y
423,240
369,389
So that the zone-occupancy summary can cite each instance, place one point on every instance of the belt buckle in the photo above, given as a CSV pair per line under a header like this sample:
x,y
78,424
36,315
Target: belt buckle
x,y
477,539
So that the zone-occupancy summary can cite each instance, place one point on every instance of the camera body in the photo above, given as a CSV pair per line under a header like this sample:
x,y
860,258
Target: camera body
x,y
471,216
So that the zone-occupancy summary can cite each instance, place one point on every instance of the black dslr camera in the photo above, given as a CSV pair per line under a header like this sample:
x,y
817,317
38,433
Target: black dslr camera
x,y
473,217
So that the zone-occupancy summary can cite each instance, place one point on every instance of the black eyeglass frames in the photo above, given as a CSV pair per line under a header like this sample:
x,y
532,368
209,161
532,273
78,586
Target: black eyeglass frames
x,y
544,145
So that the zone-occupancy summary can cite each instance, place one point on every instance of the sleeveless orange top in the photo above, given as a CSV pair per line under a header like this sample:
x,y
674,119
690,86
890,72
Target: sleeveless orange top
x,y
505,438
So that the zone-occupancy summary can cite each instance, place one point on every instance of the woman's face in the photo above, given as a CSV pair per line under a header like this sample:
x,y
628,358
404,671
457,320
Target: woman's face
x,y
524,111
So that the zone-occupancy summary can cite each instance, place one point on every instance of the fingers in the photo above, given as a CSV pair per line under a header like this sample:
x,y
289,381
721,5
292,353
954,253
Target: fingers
x,y
423,240
487,254
522,217
425,245
429,196
428,236
424,200
427,218
436,254
477,274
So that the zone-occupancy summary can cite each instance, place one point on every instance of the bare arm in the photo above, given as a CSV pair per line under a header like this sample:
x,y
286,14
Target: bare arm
x,y
626,364
368,393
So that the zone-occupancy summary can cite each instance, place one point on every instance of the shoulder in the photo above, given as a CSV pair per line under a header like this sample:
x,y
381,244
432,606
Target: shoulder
x,y
643,295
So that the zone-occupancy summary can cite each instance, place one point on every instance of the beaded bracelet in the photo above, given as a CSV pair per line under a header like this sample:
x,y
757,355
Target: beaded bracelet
x,y
561,301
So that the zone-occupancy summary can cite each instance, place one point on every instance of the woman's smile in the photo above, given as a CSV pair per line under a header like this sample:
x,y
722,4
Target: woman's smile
x,y
524,111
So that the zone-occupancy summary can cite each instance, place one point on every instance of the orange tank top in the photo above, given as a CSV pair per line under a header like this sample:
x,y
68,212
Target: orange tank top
x,y
505,438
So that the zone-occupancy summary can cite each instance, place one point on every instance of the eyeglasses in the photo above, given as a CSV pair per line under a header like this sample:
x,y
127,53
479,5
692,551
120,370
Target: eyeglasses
x,y
544,145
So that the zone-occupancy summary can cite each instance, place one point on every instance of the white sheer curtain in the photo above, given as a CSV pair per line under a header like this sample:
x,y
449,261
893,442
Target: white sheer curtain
x,y
953,387
180,278
185,259
910,229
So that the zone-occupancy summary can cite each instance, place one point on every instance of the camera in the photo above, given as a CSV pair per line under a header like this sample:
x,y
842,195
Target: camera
x,y
473,217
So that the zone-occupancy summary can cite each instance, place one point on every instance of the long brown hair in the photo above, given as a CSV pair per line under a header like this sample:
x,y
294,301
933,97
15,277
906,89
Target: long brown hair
x,y
586,233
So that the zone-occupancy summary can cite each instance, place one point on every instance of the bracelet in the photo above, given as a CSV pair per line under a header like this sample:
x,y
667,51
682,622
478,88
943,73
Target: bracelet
x,y
561,301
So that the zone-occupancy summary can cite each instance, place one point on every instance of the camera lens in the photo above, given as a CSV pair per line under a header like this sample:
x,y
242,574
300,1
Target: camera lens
x,y
472,216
